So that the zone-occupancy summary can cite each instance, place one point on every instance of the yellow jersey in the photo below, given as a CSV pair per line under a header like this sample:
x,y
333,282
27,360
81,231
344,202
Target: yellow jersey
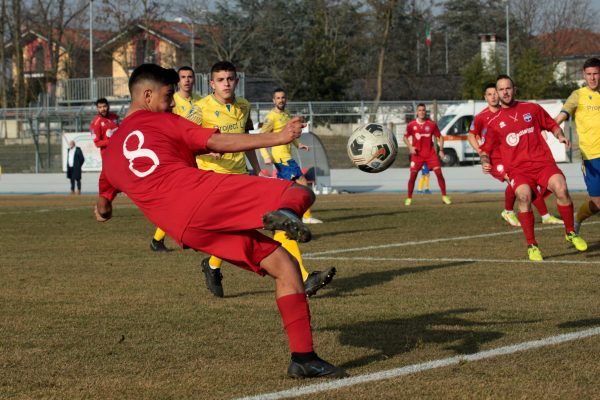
x,y
183,107
229,119
274,122
584,103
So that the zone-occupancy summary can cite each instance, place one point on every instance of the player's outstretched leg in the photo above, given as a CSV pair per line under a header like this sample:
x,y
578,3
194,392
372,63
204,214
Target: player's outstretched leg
x,y
213,276
158,241
294,310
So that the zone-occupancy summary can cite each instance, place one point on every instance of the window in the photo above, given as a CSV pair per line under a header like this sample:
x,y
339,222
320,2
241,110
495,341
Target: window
x,y
461,127
39,59
144,52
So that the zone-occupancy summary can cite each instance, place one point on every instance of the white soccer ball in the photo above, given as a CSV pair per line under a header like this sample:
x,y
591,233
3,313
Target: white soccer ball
x,y
372,148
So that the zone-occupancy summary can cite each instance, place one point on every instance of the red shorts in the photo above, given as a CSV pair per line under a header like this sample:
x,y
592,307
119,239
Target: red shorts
x,y
225,225
417,161
498,172
536,178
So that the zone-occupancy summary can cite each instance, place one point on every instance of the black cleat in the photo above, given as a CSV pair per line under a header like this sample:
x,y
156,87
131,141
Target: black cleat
x,y
317,280
287,221
158,246
315,369
213,278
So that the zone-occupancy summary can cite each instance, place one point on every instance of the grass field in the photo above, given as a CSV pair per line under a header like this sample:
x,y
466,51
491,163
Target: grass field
x,y
87,311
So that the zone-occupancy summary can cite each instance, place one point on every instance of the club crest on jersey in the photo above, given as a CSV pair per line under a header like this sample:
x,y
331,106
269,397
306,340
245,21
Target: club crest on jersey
x,y
217,113
527,117
427,129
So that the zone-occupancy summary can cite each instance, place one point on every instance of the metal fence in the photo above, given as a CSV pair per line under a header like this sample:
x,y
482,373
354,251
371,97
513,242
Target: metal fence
x,y
86,90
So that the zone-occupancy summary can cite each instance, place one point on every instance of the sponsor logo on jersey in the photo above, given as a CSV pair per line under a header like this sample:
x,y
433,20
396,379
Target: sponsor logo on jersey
x,y
593,107
527,117
512,139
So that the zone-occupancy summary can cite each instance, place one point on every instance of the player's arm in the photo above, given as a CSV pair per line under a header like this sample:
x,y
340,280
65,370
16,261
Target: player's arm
x,y
251,154
411,149
560,135
440,140
550,124
236,143
484,151
568,108
474,133
99,139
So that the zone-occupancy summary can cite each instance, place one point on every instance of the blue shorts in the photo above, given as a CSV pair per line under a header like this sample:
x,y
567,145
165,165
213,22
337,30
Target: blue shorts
x,y
425,169
290,172
591,176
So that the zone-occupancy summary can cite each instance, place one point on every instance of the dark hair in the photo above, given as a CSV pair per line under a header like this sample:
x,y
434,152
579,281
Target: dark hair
x,y
277,90
223,66
489,85
591,62
186,68
421,105
504,76
154,73
102,100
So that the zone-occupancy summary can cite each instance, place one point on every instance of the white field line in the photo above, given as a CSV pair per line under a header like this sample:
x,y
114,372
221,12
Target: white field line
x,y
479,260
439,240
415,368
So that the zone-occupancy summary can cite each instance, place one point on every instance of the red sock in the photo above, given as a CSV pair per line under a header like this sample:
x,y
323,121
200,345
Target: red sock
x,y
526,219
296,321
509,198
411,182
296,198
566,213
441,180
540,204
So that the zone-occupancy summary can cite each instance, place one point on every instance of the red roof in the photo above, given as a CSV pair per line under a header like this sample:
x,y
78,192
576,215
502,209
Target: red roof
x,y
570,43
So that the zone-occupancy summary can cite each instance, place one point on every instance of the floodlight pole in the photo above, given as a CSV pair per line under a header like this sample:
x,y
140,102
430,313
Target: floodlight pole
x,y
91,54
507,38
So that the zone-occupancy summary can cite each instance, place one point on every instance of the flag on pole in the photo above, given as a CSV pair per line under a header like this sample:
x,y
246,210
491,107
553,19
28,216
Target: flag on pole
x,y
428,35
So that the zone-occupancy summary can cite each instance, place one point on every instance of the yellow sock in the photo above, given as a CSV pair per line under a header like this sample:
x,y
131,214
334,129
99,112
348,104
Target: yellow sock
x,y
159,234
421,182
584,212
215,262
307,214
426,181
292,247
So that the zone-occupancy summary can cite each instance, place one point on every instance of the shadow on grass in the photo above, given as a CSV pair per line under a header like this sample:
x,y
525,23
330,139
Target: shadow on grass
x,y
366,214
581,323
346,232
401,335
344,286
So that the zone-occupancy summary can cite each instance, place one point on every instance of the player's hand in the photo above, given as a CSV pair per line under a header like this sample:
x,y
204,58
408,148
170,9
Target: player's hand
x,y
216,156
486,167
413,150
563,139
442,155
103,209
303,147
292,130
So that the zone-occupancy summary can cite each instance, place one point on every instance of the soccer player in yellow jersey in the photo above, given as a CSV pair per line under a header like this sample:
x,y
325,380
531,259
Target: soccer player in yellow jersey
x,y
287,168
584,103
184,99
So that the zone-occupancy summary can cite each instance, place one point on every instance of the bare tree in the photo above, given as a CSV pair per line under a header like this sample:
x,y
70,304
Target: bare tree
x,y
15,26
387,22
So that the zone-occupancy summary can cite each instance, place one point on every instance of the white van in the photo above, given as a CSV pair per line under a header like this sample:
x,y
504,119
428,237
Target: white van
x,y
456,121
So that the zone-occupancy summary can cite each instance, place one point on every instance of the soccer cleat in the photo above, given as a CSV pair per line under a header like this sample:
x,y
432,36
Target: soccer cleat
x,y
317,280
552,220
158,245
314,369
511,218
408,202
311,220
287,221
213,278
446,200
577,241
534,253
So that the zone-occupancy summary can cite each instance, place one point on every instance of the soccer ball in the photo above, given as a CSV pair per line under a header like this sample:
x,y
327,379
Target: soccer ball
x,y
372,148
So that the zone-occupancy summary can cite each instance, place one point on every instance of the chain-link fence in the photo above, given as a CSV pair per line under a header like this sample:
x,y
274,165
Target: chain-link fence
x,y
31,138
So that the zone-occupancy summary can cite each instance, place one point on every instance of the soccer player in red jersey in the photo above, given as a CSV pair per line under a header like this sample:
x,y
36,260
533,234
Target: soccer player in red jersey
x,y
103,124
151,158
422,150
476,134
516,131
